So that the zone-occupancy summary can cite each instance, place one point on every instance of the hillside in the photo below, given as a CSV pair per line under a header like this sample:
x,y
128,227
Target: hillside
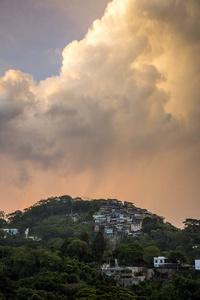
x,y
64,217
55,217
56,253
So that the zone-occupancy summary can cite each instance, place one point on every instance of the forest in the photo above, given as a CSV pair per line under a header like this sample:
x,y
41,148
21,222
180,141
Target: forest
x,y
61,255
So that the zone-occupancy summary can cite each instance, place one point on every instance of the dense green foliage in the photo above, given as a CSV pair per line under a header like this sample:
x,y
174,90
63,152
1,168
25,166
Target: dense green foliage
x,y
52,218
167,238
178,287
105,293
131,254
33,272
64,262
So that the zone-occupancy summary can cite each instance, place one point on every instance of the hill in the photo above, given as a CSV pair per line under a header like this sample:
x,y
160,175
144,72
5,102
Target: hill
x,y
57,254
64,217
55,217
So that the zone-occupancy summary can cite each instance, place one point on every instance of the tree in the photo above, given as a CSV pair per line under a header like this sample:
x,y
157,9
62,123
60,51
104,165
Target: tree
x,y
2,214
7,291
177,256
150,224
192,230
149,253
79,249
192,223
2,223
99,246
105,293
84,236
15,217
130,254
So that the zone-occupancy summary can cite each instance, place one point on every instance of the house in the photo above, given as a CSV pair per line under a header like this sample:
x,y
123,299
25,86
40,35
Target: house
x,y
12,231
123,275
119,227
108,230
77,199
135,227
128,204
197,264
115,218
160,261
96,228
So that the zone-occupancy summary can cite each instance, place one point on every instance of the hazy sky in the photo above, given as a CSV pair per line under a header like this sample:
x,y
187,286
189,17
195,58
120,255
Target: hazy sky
x,y
103,109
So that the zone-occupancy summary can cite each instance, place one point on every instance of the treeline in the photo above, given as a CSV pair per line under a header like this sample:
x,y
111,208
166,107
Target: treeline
x,y
68,269
58,271
62,269
177,287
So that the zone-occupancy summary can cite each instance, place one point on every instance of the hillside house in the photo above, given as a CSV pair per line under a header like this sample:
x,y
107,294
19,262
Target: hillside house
x,y
12,231
160,261
123,275
197,264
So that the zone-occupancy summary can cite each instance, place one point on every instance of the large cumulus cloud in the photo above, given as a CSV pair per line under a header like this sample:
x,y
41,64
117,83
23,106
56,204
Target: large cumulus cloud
x,y
122,118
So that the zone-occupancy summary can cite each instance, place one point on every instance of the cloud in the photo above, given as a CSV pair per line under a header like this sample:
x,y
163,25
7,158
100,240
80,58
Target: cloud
x,y
30,31
122,118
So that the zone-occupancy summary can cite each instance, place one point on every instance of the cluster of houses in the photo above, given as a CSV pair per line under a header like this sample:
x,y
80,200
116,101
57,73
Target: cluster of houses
x,y
15,231
163,262
126,275
117,218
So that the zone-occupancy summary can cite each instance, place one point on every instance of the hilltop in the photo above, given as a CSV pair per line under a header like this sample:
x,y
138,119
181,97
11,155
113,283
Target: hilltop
x,y
64,216
55,217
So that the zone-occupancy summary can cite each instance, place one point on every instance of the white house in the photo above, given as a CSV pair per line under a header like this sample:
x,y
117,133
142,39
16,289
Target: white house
x,y
197,264
160,261
11,230
108,230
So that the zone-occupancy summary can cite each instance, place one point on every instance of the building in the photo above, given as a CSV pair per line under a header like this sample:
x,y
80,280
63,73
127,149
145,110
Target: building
x,y
115,218
123,275
160,261
135,227
12,231
197,264
108,230
96,228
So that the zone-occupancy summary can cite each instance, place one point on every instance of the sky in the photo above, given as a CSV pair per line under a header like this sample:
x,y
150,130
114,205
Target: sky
x,y
101,99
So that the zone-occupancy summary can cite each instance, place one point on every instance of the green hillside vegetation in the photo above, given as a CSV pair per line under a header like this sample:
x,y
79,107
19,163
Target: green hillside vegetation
x,y
64,262
52,218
